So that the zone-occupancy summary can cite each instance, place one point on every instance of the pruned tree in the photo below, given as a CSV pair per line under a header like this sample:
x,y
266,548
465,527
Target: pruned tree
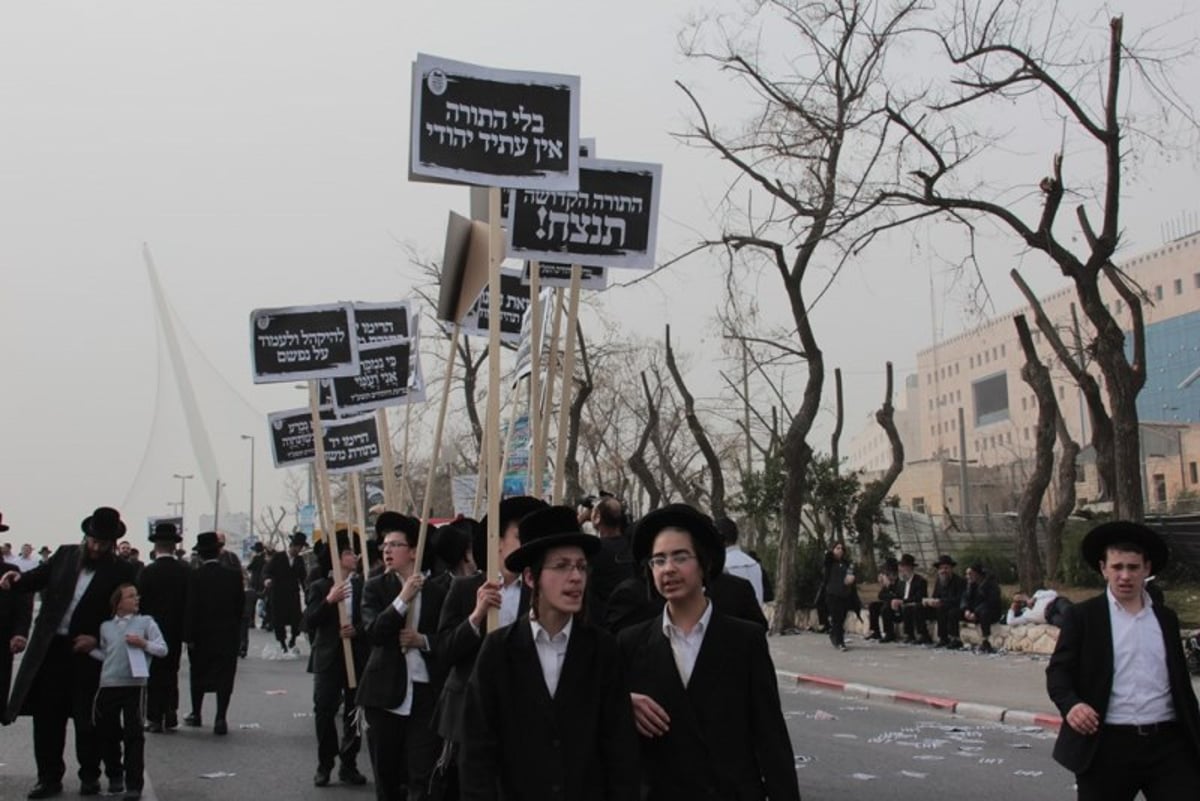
x,y
1011,53
808,157
1029,564
716,476
583,390
637,460
875,492
1064,504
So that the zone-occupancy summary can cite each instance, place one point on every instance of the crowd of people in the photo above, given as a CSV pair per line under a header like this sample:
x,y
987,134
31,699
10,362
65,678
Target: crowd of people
x,y
601,661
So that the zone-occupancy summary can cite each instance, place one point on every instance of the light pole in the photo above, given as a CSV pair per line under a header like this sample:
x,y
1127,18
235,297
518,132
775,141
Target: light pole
x,y
182,487
251,438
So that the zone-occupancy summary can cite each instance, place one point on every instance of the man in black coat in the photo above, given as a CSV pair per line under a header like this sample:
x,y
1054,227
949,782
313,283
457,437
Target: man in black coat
x,y
912,589
708,712
212,630
15,613
613,563
1119,677
164,592
945,602
635,600
285,576
58,679
327,663
981,603
402,677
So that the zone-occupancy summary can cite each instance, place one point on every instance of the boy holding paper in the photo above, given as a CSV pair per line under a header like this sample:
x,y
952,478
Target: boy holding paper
x,y
125,640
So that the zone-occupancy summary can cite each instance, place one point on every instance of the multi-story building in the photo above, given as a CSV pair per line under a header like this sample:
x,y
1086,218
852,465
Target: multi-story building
x,y
970,402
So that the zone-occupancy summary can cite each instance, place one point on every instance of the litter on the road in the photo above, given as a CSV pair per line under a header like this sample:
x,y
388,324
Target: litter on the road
x,y
249,726
929,757
1020,745
1032,773
847,736
912,774
220,774
276,692
821,714
863,777
302,714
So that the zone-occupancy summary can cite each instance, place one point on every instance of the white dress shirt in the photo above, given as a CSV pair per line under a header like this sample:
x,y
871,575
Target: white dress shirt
x,y
686,647
81,585
417,672
1035,612
1141,687
741,564
24,564
510,601
551,651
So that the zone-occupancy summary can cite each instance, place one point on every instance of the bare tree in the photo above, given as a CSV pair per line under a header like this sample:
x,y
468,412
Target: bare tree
x,y
1065,504
583,390
809,153
1037,376
716,476
875,492
637,461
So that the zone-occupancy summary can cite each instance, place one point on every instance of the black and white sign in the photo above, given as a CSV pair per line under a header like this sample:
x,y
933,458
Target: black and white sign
x,y
383,322
514,299
552,275
523,365
507,128
383,379
301,342
351,445
611,221
151,522
291,437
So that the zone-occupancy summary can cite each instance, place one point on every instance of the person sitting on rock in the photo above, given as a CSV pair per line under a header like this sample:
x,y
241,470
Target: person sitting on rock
x,y
1029,609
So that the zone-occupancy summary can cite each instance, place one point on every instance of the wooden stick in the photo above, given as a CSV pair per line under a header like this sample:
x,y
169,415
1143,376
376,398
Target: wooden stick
x,y
568,387
406,483
437,449
325,506
493,398
539,456
391,492
481,469
534,484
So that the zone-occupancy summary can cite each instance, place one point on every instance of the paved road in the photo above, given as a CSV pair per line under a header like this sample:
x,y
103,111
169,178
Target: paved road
x,y
846,748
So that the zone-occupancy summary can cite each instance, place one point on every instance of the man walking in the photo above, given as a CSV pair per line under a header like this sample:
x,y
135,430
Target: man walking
x,y
164,594
214,615
285,578
1118,675
58,679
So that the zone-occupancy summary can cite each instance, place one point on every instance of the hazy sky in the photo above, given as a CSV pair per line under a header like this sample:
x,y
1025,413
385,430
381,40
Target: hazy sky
x,y
260,148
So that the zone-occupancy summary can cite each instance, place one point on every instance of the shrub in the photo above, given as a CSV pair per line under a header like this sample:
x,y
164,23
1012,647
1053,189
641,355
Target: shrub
x,y
993,557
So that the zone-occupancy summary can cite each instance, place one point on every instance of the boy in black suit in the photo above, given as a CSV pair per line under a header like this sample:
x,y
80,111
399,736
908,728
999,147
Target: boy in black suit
x,y
702,682
1120,679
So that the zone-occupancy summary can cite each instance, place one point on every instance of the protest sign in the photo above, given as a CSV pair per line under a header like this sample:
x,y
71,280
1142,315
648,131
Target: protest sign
x,y
382,322
514,298
291,437
351,444
552,274
382,380
300,342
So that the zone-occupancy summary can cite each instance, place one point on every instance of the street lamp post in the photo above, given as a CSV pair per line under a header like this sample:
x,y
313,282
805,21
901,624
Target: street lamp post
x,y
182,487
251,438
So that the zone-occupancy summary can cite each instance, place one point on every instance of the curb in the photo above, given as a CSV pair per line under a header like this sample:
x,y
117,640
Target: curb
x,y
968,709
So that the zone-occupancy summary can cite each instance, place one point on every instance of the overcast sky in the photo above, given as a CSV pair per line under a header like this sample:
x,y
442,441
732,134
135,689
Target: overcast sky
x,y
260,149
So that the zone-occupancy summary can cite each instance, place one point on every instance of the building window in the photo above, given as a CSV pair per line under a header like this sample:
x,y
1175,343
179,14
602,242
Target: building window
x,y
1178,286
1117,307
1027,433
1158,294
1196,280
1002,350
990,399
918,505
1192,471
1160,488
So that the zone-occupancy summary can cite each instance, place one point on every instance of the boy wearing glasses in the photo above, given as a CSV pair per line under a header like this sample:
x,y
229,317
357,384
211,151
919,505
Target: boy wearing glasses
x,y
547,709
702,683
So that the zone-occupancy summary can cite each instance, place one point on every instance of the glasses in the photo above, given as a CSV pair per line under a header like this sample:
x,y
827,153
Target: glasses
x,y
582,568
678,559
393,544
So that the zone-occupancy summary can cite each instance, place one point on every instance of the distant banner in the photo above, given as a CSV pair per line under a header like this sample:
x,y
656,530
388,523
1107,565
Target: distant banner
x,y
151,522
551,274
351,445
491,127
301,342
462,494
383,379
514,298
611,221
516,468
383,322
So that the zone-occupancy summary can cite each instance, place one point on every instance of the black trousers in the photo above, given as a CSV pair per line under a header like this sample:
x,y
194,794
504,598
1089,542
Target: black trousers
x,y
329,693
947,622
984,623
914,622
119,723
403,748
837,607
162,688
883,618
1163,766
64,690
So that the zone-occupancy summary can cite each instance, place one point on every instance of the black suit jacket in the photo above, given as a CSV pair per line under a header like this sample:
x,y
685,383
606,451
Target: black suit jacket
x,y
15,613
611,565
1081,670
384,680
727,739
635,600
321,619
918,592
163,587
457,646
55,579
520,743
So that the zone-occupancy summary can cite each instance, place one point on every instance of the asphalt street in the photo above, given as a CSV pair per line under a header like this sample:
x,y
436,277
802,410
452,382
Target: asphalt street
x,y
845,748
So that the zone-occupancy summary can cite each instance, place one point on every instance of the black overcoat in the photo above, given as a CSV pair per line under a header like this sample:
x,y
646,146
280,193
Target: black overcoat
x,y
727,737
322,620
384,680
1081,670
212,626
163,587
15,613
522,745
284,590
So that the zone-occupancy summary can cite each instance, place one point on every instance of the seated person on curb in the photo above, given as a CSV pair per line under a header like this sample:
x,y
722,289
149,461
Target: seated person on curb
x,y
943,606
981,603
912,591
1029,609
883,618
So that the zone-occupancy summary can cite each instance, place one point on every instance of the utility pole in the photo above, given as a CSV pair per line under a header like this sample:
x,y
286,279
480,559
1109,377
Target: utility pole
x,y
182,491
251,438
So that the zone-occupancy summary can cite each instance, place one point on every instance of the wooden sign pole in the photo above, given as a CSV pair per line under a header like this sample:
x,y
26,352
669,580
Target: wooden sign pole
x,y
538,468
391,492
325,506
409,500
493,399
423,532
361,527
568,387
534,485
481,470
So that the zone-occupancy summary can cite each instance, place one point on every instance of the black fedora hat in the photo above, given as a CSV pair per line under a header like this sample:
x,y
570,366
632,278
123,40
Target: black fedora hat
x,y
513,509
681,516
1124,532
2,526
551,527
298,538
908,560
104,524
207,542
165,532
390,521
944,559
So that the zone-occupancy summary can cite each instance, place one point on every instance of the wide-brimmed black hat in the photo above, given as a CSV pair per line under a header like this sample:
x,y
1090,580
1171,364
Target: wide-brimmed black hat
x,y
513,509
908,560
298,538
45,549
891,565
390,521
944,559
165,532
453,542
207,542
2,526
680,515
1119,532
551,527
103,524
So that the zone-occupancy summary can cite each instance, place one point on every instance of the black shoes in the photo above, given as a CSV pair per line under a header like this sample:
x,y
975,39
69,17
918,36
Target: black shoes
x,y
925,641
874,635
351,775
192,720
220,726
155,727
87,788
321,779
132,794
116,786
985,647
171,721
48,790
888,638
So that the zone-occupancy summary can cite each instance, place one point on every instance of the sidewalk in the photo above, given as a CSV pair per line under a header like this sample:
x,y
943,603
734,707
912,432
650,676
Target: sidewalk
x,y
1000,687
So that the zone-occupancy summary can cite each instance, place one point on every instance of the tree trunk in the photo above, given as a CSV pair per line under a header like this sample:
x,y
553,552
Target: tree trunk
x,y
834,438
874,493
575,415
1035,374
716,495
637,462
1057,521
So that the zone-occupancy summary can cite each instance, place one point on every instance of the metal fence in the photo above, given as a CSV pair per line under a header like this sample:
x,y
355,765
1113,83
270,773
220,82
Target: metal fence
x,y
927,536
